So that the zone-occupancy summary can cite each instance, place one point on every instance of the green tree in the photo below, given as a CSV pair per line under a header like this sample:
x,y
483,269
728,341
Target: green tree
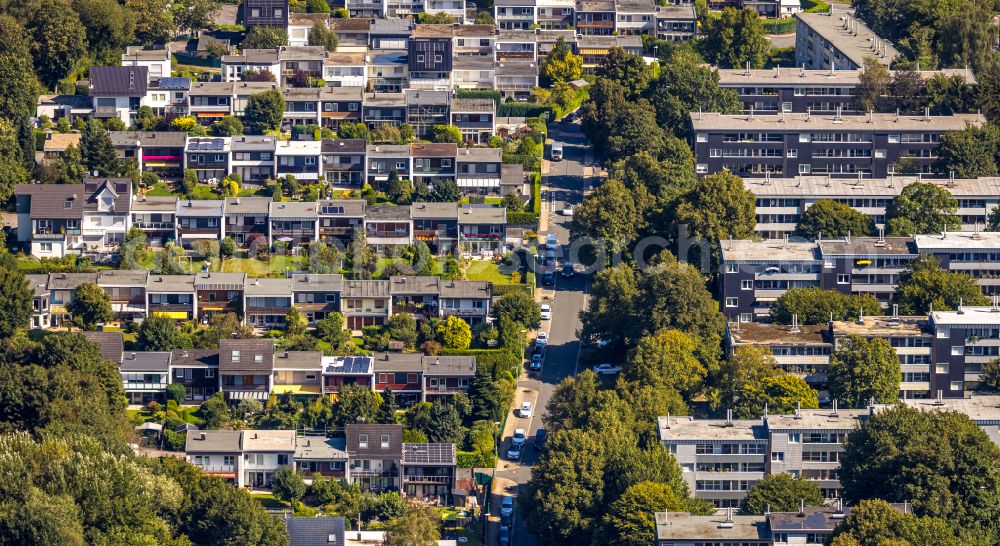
x,y
781,492
626,69
925,283
560,65
814,305
403,327
921,208
417,527
439,18
873,86
444,424
737,38
719,208
15,302
455,333
422,261
227,247
747,365
862,370
58,40
159,333
941,462
780,392
295,323
264,111
288,485
18,95
630,519
154,20
446,191
321,35
398,190
227,126
110,28
73,169
685,85
356,401
485,18
667,359
387,411
195,15
317,6
949,95
832,219
176,392
265,37
609,215
90,306
214,411
448,134
98,151
970,153
878,523
989,379
519,307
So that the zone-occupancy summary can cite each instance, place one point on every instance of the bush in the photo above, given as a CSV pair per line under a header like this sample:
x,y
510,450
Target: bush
x,y
779,26
504,289
173,441
488,359
480,94
524,219
175,393
521,109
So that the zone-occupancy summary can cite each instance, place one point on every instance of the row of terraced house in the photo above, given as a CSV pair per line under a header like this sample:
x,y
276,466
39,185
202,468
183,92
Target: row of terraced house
x,y
55,220
262,302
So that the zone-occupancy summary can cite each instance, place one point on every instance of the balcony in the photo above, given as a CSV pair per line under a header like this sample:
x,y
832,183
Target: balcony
x,y
464,312
595,24
432,234
357,472
482,236
427,479
250,388
386,234
216,468
105,111
154,225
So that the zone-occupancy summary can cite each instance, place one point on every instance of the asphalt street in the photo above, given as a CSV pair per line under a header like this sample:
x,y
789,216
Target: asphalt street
x,y
561,187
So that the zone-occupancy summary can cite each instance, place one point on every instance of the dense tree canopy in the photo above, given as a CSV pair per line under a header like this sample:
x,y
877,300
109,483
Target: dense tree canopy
x,y
15,300
264,111
878,523
969,153
560,65
925,284
939,461
735,39
781,492
90,305
667,359
921,208
816,305
863,370
831,219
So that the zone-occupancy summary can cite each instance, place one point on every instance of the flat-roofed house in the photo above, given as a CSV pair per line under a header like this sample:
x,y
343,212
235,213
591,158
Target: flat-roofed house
x,y
266,302
246,367
298,373
197,370
171,296
127,292
145,376
218,292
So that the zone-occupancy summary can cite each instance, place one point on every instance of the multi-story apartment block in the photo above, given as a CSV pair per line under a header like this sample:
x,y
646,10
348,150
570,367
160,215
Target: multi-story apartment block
x,y
974,253
61,219
118,91
802,350
160,152
801,90
171,296
344,162
911,337
723,458
789,144
266,302
246,368
781,201
964,340
824,41
198,219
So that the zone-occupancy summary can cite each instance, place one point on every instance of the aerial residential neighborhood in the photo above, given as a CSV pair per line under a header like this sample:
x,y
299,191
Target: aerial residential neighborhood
x,y
494,273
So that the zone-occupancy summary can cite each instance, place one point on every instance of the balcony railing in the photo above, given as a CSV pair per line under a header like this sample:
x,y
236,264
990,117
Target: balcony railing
x,y
105,111
217,467
464,312
154,225
254,388
426,479
393,234
359,473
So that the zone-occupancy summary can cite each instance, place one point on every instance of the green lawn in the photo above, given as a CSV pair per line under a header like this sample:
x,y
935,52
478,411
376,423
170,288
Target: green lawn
x,y
269,501
160,189
486,270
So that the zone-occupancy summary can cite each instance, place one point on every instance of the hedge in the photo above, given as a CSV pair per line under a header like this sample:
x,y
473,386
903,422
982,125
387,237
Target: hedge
x,y
536,193
529,162
522,219
779,26
520,109
480,94
488,359
815,6
474,459
504,289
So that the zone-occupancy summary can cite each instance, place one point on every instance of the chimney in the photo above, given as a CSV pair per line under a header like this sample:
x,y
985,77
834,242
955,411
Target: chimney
x,y
795,325
201,435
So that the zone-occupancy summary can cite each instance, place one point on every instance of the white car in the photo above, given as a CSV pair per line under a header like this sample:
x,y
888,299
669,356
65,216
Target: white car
x,y
606,369
568,211
519,438
525,410
542,338
546,311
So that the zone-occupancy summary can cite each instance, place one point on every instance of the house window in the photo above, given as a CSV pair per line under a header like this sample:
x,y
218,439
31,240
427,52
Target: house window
x,y
384,441
957,350
795,438
420,58
843,279
46,247
956,385
746,317
438,58
732,268
777,456
229,459
411,378
732,302
805,168
701,168
941,367
258,358
236,355
209,373
434,382
352,107
746,285
382,378
701,137
792,153
715,152
363,441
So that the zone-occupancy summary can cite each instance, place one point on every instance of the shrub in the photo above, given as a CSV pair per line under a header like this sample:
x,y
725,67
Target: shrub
x,y
173,441
526,219
472,459
175,393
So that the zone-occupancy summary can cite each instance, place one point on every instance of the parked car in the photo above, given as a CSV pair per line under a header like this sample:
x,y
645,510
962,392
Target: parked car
x,y
525,410
506,507
551,240
504,537
540,439
514,452
546,310
536,363
606,369
542,339
567,271
557,151
568,211
519,437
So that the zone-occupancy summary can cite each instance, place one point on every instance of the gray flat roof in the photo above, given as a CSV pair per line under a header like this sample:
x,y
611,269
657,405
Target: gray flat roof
x,y
212,441
200,207
689,428
812,518
449,365
734,77
868,246
819,187
482,214
426,209
414,284
465,289
298,360
683,526
246,205
769,250
714,121
268,287
122,277
170,283
214,280
293,209
312,282
855,43
758,333
958,241
882,327
365,289
485,155
320,448
145,362
818,419
387,213
154,203
968,316
70,281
